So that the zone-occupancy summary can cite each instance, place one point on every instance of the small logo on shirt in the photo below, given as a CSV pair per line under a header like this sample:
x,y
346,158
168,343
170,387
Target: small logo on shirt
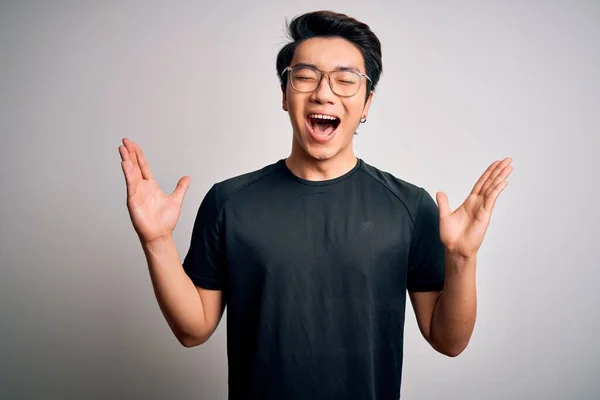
x,y
367,226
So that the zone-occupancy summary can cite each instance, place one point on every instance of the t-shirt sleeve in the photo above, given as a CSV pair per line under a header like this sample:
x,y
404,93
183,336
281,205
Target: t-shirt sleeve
x,y
204,261
426,260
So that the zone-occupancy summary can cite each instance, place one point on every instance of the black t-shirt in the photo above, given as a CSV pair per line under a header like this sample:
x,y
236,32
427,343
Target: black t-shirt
x,y
314,275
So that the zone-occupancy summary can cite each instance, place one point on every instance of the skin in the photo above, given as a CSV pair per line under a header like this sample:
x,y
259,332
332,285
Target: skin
x,y
310,159
445,318
192,313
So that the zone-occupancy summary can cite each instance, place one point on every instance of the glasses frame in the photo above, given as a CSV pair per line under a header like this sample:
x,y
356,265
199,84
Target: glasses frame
x,y
328,74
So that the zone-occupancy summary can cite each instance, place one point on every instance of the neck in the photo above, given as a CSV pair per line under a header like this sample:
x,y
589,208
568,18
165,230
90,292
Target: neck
x,y
310,168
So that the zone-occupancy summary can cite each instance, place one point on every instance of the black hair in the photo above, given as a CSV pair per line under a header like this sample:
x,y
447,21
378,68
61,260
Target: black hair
x,y
331,24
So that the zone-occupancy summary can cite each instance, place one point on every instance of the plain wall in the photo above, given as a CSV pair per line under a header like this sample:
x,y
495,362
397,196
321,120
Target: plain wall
x,y
464,83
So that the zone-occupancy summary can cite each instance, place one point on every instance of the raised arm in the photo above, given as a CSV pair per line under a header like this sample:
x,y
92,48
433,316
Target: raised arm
x,y
192,313
446,318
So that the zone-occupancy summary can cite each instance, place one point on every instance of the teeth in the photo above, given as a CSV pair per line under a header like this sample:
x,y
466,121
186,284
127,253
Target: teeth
x,y
322,116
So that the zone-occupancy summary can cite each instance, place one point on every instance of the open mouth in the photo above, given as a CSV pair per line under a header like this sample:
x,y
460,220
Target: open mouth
x,y
322,126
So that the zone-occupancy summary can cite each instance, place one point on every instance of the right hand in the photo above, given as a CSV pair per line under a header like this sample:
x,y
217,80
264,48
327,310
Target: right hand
x,y
153,213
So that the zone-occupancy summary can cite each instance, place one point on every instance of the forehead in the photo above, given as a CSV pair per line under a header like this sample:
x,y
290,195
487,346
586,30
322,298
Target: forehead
x,y
329,53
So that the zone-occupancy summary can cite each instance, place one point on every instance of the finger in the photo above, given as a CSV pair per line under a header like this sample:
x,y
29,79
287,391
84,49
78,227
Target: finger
x,y
143,163
490,181
443,205
129,177
502,177
132,177
136,173
479,184
182,187
131,148
124,153
490,200
126,166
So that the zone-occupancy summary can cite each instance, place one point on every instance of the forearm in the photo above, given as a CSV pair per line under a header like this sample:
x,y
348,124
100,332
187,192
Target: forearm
x,y
176,294
454,315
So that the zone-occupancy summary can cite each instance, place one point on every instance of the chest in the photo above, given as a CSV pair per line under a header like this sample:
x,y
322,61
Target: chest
x,y
319,242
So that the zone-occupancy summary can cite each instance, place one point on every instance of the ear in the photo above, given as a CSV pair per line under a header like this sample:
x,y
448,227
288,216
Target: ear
x,y
365,112
284,104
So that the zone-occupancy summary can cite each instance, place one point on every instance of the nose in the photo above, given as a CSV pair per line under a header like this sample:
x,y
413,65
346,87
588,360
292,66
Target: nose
x,y
323,93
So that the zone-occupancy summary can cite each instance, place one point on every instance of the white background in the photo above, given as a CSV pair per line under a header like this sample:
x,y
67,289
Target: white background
x,y
464,83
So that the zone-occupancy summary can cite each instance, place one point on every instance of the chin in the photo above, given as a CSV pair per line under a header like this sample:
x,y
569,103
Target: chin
x,y
320,151
320,155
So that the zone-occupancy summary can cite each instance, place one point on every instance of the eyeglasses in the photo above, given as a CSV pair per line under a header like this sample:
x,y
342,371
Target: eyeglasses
x,y
343,83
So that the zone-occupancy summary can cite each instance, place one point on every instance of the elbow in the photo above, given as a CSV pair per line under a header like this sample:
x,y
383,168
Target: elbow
x,y
452,352
450,348
190,340
192,336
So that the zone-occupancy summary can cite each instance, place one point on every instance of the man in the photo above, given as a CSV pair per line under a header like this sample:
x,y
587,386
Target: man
x,y
314,254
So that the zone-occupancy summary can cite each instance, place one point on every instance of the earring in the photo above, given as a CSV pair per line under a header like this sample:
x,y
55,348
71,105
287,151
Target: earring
x,y
363,120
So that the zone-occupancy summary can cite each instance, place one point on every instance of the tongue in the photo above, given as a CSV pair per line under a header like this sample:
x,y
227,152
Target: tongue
x,y
323,128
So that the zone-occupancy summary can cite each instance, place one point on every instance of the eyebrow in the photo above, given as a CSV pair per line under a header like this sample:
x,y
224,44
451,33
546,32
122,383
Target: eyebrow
x,y
338,68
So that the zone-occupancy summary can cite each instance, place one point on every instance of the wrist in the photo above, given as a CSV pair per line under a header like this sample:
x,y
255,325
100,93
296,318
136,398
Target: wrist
x,y
460,263
459,257
157,244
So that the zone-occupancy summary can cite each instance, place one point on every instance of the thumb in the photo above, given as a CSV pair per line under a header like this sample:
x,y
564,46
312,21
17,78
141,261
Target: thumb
x,y
444,207
182,187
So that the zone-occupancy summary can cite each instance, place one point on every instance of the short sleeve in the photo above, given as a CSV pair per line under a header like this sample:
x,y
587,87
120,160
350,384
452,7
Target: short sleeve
x,y
204,261
426,260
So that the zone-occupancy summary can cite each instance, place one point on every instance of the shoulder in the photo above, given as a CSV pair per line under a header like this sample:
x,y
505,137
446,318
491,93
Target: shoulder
x,y
407,193
224,190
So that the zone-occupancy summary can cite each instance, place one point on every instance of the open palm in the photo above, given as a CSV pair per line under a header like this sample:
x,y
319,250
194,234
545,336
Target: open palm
x,y
153,213
463,230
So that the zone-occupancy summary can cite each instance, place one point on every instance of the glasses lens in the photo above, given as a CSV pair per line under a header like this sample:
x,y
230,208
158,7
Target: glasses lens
x,y
345,83
305,79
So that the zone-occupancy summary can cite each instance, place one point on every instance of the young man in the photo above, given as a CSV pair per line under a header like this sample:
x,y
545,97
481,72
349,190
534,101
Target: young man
x,y
314,254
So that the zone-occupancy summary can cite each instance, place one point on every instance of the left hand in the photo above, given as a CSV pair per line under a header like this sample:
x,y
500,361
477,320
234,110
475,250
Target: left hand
x,y
463,230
